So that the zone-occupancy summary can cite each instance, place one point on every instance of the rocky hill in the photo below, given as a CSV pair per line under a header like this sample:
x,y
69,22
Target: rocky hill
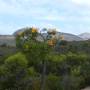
x,y
85,36
70,37
8,40
67,36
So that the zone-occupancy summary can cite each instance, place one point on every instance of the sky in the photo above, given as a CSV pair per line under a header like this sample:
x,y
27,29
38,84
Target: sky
x,y
70,16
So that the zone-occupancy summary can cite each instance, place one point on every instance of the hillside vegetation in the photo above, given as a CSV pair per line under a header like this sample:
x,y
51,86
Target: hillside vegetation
x,y
37,65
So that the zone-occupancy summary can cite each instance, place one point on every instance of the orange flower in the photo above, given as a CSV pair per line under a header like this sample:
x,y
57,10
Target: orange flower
x,y
51,43
62,46
52,31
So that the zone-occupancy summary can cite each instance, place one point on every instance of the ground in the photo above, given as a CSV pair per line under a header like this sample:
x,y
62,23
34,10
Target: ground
x,y
88,88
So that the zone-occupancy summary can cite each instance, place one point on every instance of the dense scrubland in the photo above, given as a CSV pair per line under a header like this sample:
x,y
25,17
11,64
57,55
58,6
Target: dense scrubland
x,y
34,65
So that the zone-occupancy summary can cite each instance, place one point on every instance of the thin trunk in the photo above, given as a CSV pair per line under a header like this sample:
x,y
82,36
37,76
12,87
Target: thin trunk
x,y
43,75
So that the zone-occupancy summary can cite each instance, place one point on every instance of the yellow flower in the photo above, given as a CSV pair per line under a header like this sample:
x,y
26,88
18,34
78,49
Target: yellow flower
x,y
34,30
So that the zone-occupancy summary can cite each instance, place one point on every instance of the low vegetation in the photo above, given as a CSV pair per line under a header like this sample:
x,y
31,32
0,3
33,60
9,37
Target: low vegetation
x,y
37,65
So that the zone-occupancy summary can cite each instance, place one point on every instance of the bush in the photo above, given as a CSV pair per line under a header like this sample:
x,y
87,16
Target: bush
x,y
53,82
13,72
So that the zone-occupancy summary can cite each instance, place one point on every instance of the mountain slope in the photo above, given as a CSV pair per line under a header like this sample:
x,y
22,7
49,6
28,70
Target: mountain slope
x,y
8,40
85,36
70,37
67,36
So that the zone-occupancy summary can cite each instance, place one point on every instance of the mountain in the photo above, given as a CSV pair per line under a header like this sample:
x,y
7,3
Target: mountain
x,y
85,36
19,31
70,37
67,36
8,40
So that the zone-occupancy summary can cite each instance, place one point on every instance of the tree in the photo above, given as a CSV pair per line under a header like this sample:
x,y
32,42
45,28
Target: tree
x,y
28,41
13,72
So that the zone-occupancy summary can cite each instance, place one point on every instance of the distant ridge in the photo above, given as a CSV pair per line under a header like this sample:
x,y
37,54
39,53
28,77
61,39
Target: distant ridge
x,y
67,36
70,37
18,31
85,35
10,39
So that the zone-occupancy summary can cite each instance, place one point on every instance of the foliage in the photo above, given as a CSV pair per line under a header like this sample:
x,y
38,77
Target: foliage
x,y
53,82
66,65
13,72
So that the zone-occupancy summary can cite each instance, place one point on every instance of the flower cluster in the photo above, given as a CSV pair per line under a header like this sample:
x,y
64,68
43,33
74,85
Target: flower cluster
x,y
34,30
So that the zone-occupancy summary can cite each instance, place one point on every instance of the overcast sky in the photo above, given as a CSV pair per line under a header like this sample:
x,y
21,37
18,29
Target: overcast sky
x,y
72,16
